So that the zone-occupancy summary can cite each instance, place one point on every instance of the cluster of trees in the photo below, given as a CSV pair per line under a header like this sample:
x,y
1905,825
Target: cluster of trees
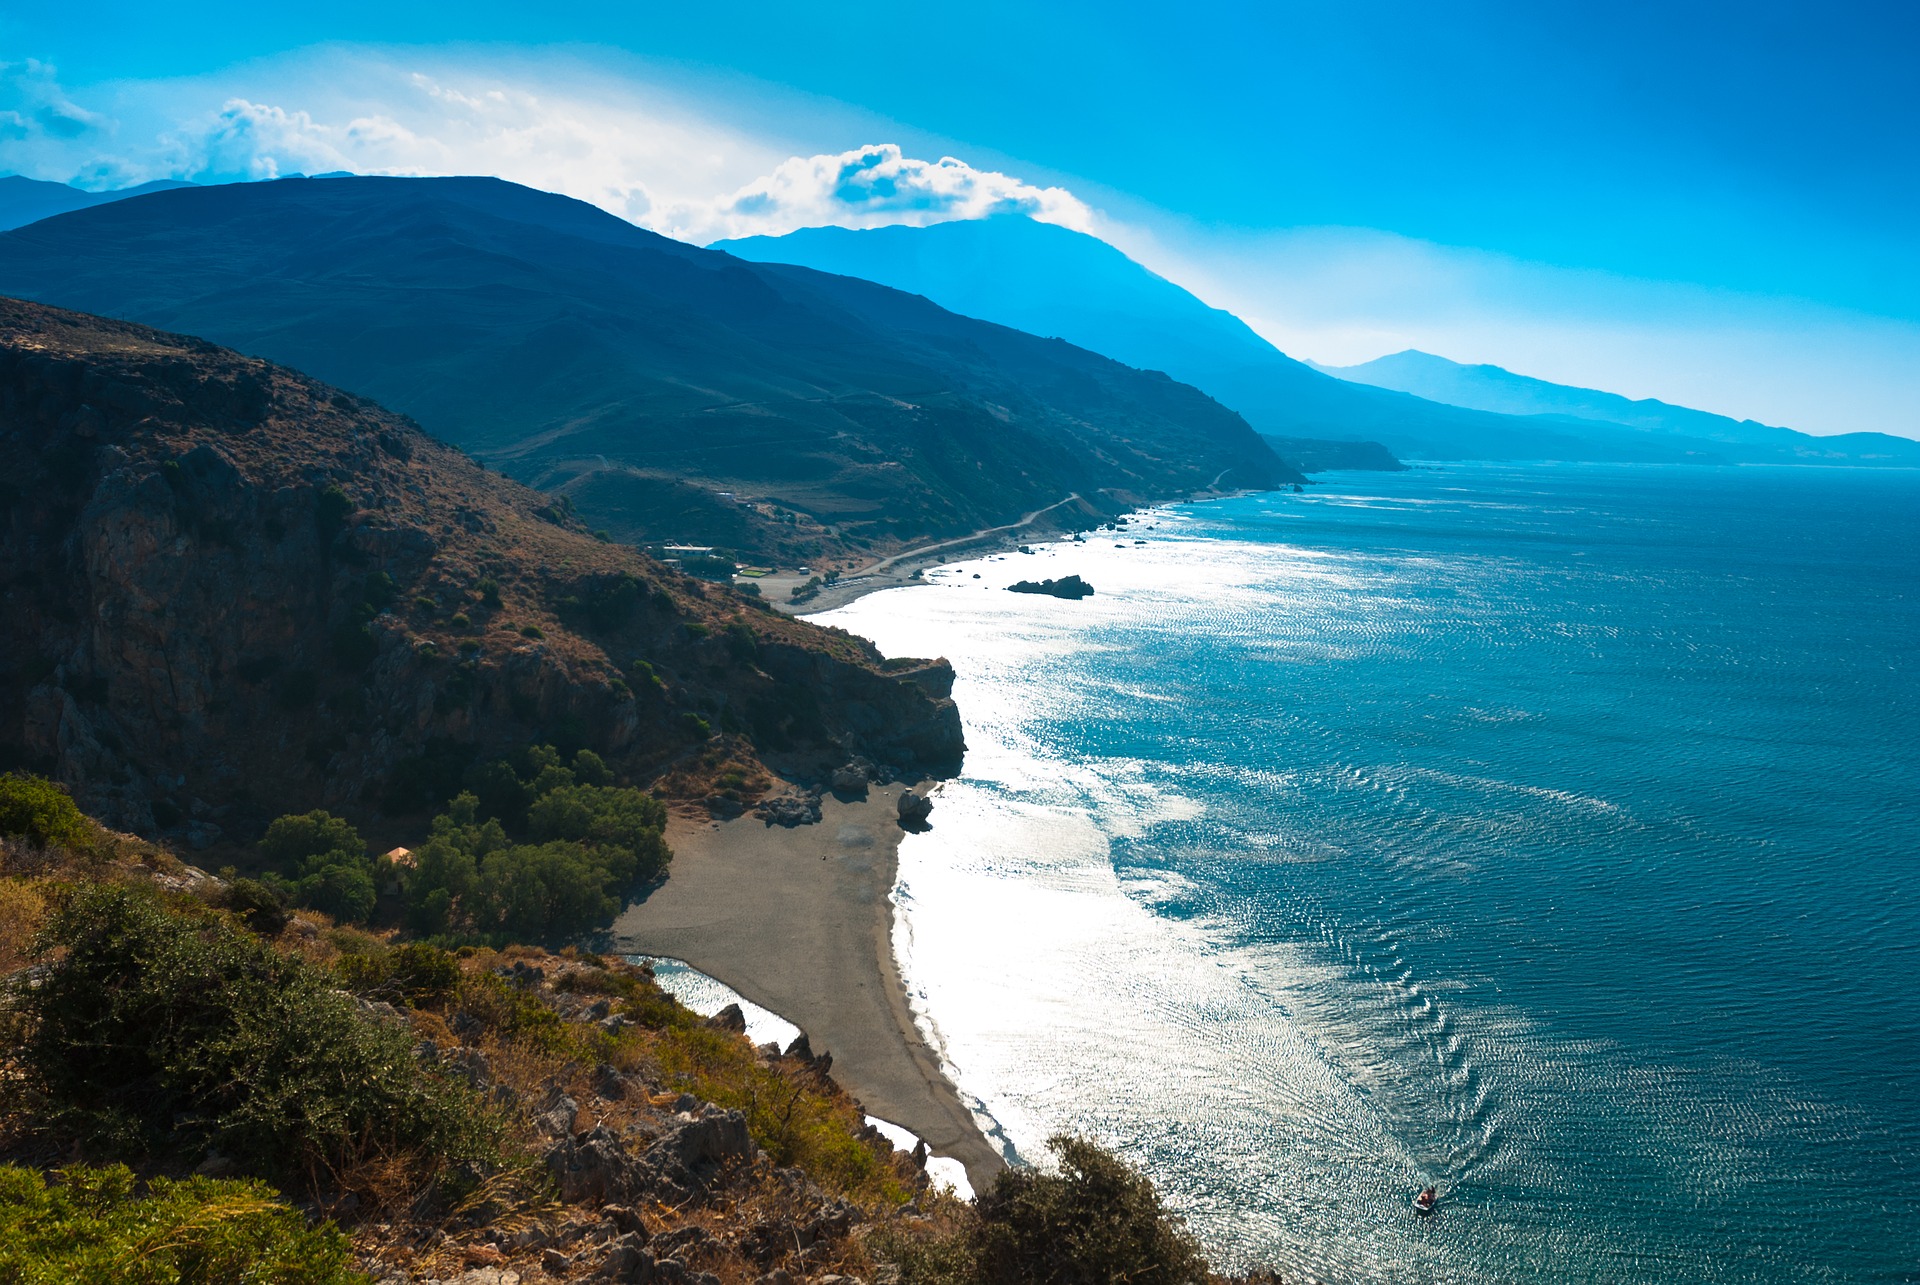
x,y
533,849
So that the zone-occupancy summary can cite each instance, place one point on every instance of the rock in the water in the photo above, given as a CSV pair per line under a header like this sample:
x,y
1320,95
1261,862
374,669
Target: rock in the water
x,y
1064,587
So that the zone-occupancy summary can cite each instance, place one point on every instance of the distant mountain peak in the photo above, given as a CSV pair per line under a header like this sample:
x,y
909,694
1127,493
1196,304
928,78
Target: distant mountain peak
x,y
1487,387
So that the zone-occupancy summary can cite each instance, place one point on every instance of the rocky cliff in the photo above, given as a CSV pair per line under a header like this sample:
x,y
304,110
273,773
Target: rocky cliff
x,y
228,591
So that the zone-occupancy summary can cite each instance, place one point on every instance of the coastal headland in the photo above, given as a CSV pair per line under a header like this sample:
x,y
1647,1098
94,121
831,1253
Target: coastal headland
x,y
799,921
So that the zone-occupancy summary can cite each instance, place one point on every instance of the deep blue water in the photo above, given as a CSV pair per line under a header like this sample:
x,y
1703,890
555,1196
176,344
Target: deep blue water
x,y
1549,833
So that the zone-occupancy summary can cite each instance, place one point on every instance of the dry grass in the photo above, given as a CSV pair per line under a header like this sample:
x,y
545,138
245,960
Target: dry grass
x,y
23,908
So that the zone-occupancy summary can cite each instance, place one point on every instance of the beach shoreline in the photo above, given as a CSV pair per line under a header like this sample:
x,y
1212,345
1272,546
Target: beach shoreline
x,y
800,921
904,569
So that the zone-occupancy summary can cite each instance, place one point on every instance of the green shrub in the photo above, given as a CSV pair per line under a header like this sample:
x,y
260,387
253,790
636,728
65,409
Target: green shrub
x,y
489,593
330,509
379,590
35,809
343,891
259,906
741,642
695,727
1095,1221
93,1226
164,1029
415,973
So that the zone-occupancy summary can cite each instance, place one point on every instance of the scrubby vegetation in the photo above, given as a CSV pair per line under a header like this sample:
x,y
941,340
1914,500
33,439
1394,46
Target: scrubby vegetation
x,y
168,1029
95,1224
1093,1221
532,849
486,1105
39,812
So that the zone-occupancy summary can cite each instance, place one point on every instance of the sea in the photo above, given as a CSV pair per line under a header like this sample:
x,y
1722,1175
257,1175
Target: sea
x,y
1547,834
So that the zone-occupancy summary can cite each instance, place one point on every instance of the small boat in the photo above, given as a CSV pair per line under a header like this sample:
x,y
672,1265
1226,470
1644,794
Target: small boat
x,y
1426,1200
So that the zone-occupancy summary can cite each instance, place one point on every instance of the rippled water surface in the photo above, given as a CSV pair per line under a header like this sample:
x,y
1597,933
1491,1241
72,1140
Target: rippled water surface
x,y
1548,834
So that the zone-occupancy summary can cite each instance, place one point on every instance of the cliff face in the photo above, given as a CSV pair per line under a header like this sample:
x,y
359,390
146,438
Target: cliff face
x,y
228,591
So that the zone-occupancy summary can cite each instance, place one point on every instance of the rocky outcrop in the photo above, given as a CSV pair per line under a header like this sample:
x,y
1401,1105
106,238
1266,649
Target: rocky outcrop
x,y
914,809
228,591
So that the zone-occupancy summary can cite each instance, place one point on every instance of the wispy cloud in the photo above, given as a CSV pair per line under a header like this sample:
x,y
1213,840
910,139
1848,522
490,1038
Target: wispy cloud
x,y
553,124
35,112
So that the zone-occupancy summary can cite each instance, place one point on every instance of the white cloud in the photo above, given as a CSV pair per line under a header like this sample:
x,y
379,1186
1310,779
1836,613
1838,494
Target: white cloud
x,y
870,187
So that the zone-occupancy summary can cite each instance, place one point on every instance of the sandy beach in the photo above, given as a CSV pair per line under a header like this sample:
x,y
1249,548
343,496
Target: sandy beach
x,y
799,921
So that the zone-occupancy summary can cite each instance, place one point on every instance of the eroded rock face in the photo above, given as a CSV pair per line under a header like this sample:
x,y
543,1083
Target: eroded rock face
x,y
596,1168
228,592
691,1157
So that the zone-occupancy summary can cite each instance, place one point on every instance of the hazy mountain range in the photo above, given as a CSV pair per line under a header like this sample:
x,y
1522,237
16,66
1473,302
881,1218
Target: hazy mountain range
x,y
1054,281
586,355
28,200
1492,388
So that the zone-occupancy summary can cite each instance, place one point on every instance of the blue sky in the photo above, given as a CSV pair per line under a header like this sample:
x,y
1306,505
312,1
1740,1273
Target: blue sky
x,y
1707,202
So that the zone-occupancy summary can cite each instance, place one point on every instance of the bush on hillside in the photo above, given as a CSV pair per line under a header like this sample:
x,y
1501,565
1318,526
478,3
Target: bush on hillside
x,y
415,974
93,1225
257,905
163,1029
1095,1221
36,810
23,908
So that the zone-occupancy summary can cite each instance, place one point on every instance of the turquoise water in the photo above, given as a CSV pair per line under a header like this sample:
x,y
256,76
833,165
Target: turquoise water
x,y
1546,833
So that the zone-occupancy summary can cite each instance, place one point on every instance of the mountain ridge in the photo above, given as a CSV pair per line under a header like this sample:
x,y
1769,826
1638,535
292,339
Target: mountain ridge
x,y
1488,387
26,200
1048,279
639,375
